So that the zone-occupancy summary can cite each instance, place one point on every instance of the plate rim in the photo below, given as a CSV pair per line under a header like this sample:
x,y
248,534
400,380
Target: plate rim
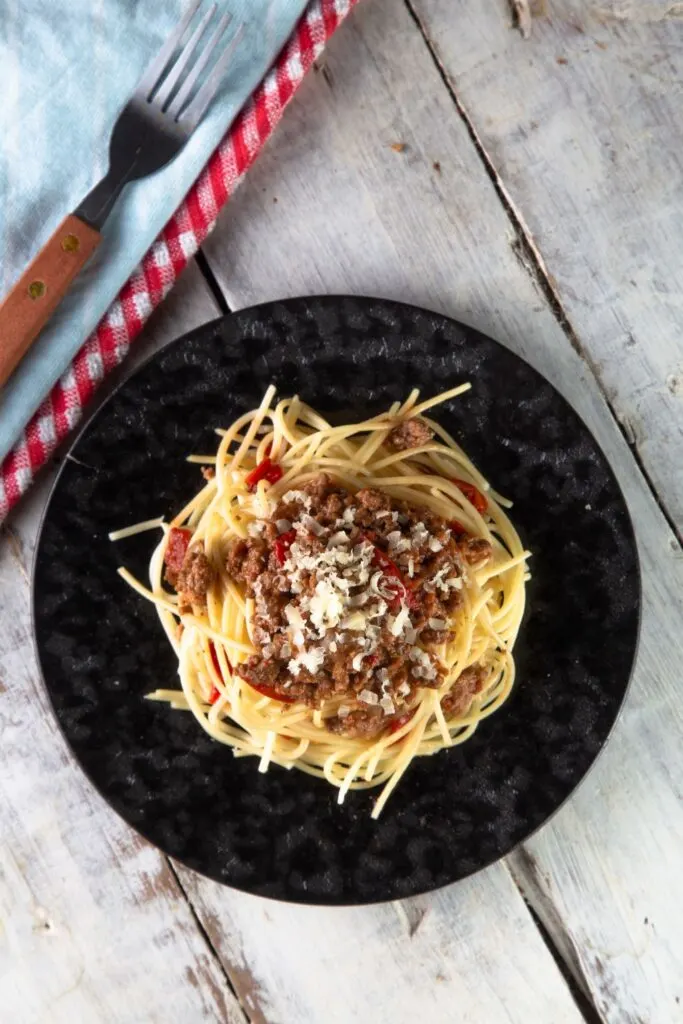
x,y
328,298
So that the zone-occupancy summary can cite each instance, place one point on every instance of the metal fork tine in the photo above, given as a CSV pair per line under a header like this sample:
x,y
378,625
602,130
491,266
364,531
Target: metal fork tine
x,y
193,113
175,73
188,85
158,64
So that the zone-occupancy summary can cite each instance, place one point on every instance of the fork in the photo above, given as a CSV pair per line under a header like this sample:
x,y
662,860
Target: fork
x,y
169,102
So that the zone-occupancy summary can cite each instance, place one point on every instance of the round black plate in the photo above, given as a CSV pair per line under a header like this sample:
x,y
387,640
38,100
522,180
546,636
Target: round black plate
x,y
283,834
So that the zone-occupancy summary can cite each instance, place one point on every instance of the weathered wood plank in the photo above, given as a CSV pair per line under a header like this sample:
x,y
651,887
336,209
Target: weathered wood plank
x,y
354,215
468,953
93,924
582,127
582,124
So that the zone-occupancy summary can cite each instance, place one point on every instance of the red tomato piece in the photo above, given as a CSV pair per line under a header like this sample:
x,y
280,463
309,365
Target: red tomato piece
x,y
473,495
273,473
283,544
266,470
269,691
401,720
176,548
395,583
214,660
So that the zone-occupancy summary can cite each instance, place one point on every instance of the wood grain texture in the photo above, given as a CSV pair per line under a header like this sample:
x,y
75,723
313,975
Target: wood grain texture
x,y
93,924
469,953
583,125
425,225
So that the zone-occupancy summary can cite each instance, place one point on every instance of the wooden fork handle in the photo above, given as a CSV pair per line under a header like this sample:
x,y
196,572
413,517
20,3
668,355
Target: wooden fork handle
x,y
40,289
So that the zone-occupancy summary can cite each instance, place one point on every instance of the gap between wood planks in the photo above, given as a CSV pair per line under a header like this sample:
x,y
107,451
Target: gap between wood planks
x,y
552,931
528,254
211,282
213,952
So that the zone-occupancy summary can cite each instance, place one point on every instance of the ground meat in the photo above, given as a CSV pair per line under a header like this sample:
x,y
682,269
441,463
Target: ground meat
x,y
289,510
208,472
270,533
452,601
430,608
431,562
410,434
269,672
373,500
332,509
379,525
363,723
313,542
475,550
246,560
194,579
318,487
463,691
259,670
397,669
340,673
272,595
434,637
390,669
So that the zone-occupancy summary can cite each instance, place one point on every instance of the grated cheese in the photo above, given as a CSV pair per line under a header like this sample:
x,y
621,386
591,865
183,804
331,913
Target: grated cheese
x,y
300,497
397,623
313,525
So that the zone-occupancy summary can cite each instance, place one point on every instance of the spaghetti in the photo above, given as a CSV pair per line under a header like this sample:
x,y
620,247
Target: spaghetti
x,y
346,598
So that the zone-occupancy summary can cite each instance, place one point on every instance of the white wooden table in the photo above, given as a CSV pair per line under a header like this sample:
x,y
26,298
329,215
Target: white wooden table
x,y
538,195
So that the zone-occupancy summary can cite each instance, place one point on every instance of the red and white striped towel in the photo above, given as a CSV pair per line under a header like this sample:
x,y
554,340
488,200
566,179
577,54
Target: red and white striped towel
x,y
178,242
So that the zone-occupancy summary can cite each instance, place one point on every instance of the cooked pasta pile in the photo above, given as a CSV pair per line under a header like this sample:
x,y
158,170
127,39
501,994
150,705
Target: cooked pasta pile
x,y
368,676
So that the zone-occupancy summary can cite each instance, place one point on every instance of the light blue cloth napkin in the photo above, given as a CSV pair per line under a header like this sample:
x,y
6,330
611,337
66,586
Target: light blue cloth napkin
x,y
67,67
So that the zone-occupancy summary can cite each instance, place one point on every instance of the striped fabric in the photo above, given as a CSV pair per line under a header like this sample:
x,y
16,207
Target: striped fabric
x,y
175,246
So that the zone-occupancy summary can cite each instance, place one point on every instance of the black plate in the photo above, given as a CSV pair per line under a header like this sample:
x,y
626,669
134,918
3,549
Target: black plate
x,y
282,834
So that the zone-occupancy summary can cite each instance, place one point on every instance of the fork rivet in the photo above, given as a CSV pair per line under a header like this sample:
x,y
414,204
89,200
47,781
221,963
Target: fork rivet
x,y
37,289
70,243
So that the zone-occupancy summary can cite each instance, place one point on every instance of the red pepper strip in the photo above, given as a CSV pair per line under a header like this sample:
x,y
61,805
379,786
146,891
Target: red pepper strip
x,y
214,660
457,528
401,720
395,581
215,692
383,562
266,470
283,544
269,691
473,495
266,690
176,549
274,473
